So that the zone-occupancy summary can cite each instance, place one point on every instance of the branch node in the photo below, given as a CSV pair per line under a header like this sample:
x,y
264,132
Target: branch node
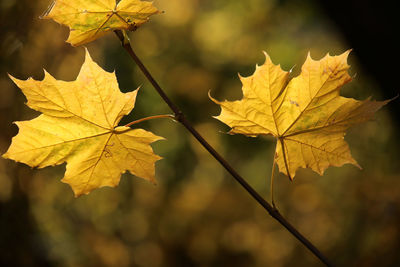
x,y
179,116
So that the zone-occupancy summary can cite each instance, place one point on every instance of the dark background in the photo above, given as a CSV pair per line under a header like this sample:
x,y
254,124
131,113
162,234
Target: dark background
x,y
197,215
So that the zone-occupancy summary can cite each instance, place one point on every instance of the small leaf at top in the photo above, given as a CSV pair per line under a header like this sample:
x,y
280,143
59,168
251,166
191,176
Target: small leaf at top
x,y
91,19
306,115
79,125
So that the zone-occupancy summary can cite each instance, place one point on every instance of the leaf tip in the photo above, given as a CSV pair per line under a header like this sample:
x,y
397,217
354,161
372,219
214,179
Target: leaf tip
x,y
5,155
12,78
212,98
18,82
46,13
344,56
309,55
47,75
87,55
347,52
78,194
216,102
160,138
267,57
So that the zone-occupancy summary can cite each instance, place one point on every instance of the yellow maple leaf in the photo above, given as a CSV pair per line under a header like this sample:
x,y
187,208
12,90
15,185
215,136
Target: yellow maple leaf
x,y
306,115
79,125
92,19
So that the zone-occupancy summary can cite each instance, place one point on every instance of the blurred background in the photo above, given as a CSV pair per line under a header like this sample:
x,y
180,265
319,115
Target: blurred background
x,y
197,215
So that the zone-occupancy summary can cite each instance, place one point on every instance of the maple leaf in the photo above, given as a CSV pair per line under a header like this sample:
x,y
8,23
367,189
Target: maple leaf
x,y
79,125
306,115
92,19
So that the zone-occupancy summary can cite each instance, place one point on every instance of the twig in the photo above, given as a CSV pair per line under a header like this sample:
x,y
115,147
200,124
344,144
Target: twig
x,y
180,117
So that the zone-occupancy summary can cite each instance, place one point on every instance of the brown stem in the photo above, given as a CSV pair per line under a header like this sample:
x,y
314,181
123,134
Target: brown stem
x,y
179,116
150,118
271,188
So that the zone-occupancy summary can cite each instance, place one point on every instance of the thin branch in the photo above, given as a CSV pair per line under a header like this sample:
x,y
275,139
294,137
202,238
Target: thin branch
x,y
180,117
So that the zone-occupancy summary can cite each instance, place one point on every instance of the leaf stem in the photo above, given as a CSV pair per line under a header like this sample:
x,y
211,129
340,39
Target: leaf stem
x,y
150,118
180,117
272,180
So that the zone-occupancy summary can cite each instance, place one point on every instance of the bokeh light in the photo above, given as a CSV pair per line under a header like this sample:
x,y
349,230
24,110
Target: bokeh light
x,y
196,215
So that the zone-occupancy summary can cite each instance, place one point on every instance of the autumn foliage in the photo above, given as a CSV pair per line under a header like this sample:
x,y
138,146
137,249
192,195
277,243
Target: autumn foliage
x,y
79,125
79,122
306,114
93,19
